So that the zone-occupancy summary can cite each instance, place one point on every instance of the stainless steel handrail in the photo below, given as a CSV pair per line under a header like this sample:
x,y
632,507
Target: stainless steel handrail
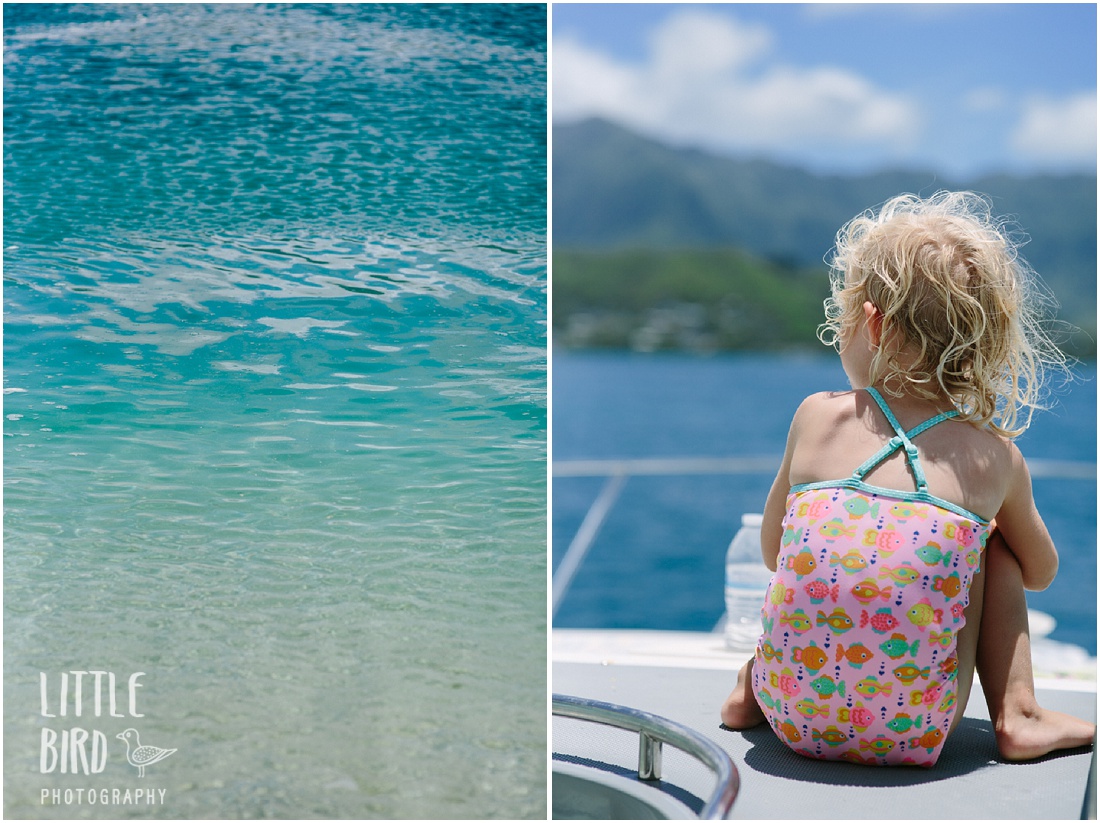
x,y
583,539
652,732
763,464
618,471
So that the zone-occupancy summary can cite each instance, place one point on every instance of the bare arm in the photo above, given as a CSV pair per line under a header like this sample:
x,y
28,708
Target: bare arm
x,y
771,529
1023,529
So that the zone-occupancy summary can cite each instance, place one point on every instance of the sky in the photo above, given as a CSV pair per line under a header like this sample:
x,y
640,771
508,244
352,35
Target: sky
x,y
960,89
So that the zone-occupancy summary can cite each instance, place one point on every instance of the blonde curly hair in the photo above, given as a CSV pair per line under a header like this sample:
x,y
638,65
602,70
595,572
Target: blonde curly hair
x,y
957,301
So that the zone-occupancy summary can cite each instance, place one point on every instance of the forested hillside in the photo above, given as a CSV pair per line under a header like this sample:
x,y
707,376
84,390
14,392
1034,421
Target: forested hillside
x,y
651,237
699,299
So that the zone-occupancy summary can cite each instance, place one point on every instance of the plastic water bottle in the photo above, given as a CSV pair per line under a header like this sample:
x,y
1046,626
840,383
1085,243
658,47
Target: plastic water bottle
x,y
747,580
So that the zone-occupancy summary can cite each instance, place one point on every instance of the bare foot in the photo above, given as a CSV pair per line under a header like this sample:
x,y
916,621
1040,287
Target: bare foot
x,y
741,711
1040,732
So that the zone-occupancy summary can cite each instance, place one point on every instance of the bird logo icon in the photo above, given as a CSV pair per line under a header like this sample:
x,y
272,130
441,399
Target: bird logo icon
x,y
141,756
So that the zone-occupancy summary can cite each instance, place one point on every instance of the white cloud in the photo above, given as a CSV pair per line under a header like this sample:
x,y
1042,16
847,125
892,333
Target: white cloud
x,y
1057,132
697,43
587,83
711,80
826,103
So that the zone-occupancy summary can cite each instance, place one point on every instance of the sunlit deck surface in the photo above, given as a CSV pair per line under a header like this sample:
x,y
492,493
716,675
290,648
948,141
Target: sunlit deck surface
x,y
685,676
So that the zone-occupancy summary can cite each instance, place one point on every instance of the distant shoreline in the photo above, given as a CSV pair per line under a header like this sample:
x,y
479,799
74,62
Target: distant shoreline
x,y
711,300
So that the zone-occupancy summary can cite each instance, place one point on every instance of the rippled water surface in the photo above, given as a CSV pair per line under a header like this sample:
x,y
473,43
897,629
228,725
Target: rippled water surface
x,y
275,407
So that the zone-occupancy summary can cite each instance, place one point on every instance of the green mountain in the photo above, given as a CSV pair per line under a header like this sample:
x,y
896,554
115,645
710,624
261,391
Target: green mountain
x,y
697,299
614,191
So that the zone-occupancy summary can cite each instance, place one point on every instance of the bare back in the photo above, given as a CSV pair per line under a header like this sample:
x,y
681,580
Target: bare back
x,y
838,431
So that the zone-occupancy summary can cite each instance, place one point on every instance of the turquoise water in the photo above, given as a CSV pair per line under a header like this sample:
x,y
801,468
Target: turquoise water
x,y
275,406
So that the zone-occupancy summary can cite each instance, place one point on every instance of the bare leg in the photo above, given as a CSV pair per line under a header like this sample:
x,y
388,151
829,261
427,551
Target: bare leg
x,y
741,711
966,647
1024,729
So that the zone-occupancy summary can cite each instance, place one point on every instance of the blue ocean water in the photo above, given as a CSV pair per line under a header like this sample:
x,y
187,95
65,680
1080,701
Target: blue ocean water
x,y
275,408
657,563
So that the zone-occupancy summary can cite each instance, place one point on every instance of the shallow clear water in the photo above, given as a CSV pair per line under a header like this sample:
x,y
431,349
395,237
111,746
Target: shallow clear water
x,y
275,403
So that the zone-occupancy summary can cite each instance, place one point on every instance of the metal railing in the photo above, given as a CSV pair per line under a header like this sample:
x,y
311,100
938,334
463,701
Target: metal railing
x,y
618,472
653,731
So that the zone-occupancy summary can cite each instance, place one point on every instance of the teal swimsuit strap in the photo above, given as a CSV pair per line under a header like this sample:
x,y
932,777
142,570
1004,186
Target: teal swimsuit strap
x,y
901,439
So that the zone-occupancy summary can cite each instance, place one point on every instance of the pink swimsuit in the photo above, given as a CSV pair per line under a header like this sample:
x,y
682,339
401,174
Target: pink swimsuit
x,y
857,661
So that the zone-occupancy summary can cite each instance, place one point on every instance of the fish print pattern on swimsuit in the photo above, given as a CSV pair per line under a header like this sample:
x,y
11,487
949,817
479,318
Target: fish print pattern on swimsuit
x,y
857,661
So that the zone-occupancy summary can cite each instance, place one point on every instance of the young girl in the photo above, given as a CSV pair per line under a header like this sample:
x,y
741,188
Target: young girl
x,y
889,495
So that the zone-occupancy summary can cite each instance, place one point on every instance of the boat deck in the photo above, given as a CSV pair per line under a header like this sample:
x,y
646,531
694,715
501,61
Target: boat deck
x,y
685,676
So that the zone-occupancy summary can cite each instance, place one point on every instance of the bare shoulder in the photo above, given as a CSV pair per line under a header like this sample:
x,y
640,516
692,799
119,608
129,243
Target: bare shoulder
x,y
971,466
974,450
1001,453
1012,459
822,413
826,405
822,437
